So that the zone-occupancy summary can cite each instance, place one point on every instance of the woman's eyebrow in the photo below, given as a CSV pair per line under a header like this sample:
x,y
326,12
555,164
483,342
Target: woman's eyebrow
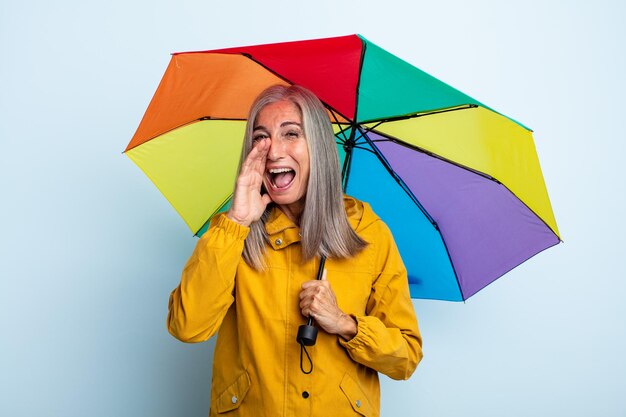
x,y
283,124
260,127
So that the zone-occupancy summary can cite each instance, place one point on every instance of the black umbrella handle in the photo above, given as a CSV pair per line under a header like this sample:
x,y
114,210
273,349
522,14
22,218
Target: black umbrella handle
x,y
307,333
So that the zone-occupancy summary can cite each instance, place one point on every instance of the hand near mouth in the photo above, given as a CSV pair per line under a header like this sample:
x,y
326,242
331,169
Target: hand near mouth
x,y
248,202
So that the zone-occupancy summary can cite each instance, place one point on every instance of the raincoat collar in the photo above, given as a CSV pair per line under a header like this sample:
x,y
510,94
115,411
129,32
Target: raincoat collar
x,y
282,231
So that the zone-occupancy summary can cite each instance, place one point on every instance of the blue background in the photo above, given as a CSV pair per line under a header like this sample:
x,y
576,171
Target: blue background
x,y
89,250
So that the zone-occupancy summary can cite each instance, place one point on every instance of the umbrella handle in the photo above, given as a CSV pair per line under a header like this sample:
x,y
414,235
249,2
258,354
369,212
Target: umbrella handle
x,y
307,333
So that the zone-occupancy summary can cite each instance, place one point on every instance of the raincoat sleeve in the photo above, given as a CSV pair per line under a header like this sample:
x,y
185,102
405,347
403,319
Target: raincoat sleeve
x,y
205,293
388,338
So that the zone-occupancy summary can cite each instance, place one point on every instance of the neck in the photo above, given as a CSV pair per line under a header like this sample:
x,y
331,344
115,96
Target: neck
x,y
293,211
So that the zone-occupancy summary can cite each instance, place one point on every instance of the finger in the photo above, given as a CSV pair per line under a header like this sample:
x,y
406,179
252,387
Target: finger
x,y
313,288
308,292
254,152
261,149
258,165
308,305
257,154
306,310
309,284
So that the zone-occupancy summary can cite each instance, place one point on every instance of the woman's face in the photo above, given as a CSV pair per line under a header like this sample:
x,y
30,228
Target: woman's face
x,y
287,165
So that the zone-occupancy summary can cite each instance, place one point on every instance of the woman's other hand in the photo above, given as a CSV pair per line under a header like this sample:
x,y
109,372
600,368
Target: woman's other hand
x,y
317,300
248,202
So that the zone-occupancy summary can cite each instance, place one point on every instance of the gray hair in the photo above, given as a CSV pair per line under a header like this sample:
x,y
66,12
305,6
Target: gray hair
x,y
324,225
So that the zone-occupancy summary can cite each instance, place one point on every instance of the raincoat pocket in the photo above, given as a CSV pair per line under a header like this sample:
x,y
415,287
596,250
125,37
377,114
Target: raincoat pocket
x,y
355,395
233,396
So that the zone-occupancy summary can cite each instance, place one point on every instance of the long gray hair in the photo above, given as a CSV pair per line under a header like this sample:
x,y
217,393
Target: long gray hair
x,y
324,225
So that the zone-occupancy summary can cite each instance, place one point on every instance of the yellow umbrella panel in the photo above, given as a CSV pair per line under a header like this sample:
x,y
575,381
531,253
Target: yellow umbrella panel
x,y
483,141
194,166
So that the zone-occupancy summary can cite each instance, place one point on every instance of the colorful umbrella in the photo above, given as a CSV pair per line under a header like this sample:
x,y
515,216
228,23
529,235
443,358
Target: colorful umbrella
x,y
458,183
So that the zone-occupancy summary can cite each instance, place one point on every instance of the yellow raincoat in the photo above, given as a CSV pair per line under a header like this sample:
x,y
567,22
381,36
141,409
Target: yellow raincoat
x,y
256,368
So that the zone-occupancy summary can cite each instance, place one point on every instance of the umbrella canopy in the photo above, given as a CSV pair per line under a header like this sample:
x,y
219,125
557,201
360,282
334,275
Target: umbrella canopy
x,y
458,183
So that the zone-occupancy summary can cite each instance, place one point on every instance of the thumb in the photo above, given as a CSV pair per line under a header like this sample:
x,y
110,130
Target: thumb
x,y
266,199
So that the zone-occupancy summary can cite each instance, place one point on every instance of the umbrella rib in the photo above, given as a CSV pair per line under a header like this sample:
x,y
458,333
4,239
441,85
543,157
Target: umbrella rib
x,y
347,162
199,119
415,115
357,142
397,141
364,149
358,83
399,180
341,129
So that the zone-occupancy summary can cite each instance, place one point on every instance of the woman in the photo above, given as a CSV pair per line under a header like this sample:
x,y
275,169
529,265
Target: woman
x,y
252,273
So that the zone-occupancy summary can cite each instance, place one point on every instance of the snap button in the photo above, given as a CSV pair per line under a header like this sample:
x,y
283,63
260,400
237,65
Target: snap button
x,y
279,242
305,394
358,403
234,399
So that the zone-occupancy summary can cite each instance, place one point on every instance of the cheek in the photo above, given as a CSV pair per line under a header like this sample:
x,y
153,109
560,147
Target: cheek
x,y
303,156
305,165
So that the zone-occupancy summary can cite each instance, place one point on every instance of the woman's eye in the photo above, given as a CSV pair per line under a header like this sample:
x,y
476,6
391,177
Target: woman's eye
x,y
259,137
293,134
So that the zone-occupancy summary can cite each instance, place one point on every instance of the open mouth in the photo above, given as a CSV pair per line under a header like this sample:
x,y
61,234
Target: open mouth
x,y
281,178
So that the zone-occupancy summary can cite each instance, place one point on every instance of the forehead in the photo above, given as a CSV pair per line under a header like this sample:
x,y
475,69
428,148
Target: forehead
x,y
278,112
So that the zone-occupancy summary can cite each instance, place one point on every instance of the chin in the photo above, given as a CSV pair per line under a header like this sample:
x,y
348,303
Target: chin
x,y
284,200
287,199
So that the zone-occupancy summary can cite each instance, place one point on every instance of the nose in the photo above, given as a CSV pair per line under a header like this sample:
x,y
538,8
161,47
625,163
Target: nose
x,y
276,151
